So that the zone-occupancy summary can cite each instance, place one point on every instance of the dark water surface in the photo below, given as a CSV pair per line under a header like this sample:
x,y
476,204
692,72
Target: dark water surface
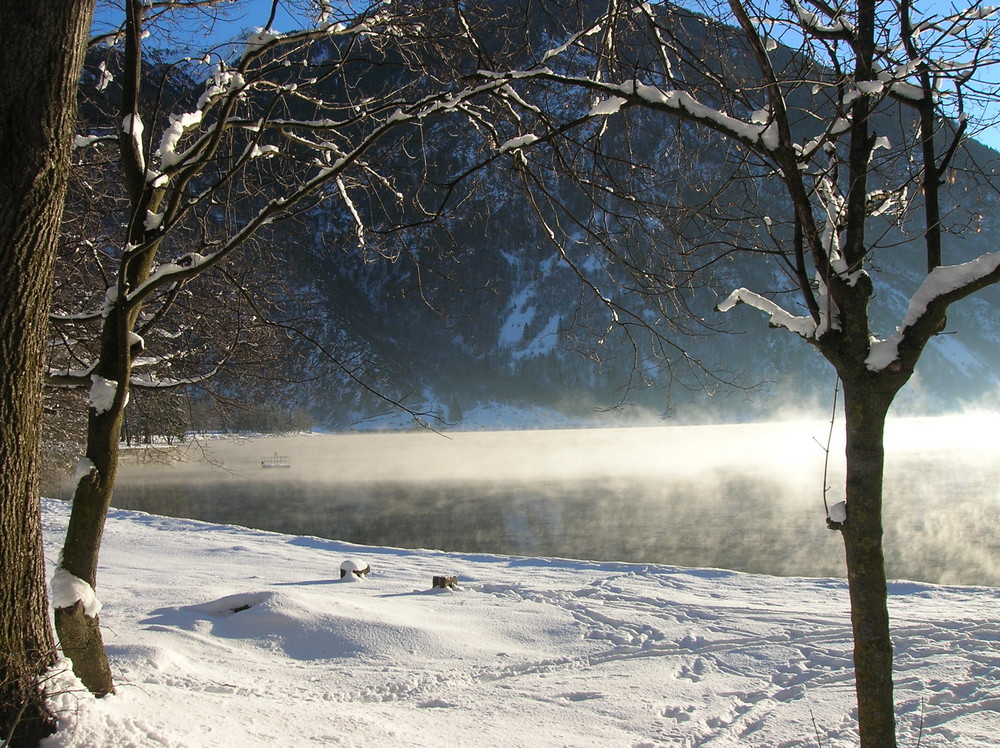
x,y
745,497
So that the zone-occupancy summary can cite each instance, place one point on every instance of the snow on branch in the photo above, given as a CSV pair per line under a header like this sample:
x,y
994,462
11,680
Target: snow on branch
x,y
762,137
85,468
170,383
342,188
85,141
812,24
684,103
606,107
519,142
957,22
946,283
368,24
573,40
804,326
133,127
69,377
897,85
226,83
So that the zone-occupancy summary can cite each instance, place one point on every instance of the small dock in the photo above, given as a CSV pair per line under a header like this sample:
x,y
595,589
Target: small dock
x,y
276,461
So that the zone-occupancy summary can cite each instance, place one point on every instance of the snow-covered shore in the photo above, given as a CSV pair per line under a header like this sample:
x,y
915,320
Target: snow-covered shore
x,y
225,636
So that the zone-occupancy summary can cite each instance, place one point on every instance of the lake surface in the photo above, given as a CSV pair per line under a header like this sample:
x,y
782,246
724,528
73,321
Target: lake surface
x,y
746,497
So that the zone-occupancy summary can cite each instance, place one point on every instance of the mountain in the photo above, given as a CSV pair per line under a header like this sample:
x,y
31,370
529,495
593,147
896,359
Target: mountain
x,y
477,320
508,325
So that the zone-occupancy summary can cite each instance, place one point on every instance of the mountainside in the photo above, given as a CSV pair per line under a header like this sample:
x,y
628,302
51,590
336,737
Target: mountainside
x,y
509,324
483,313
521,339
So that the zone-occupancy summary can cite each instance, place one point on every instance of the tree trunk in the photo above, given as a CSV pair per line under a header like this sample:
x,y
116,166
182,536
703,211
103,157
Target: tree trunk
x,y
80,634
41,59
866,406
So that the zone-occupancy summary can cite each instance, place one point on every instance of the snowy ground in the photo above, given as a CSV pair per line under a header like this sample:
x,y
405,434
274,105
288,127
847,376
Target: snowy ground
x,y
527,652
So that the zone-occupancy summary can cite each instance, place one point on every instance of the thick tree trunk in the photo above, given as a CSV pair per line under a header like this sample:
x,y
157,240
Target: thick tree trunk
x,y
866,407
41,59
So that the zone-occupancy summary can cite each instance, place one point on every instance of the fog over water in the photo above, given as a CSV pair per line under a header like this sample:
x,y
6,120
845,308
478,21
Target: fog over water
x,y
747,497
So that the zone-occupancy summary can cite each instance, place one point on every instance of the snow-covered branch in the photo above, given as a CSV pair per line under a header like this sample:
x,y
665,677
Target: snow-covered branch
x,y
804,326
682,103
943,286
68,377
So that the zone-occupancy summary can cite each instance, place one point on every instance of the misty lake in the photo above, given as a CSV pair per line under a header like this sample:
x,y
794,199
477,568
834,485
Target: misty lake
x,y
745,497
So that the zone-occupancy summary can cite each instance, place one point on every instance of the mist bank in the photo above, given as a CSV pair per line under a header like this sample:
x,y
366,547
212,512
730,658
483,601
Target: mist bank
x,y
747,497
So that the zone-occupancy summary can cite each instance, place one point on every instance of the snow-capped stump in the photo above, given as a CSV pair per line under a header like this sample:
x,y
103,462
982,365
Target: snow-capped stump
x,y
837,516
444,582
355,568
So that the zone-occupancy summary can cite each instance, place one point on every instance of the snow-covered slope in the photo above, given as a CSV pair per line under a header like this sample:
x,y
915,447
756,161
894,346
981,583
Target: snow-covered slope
x,y
514,325
225,636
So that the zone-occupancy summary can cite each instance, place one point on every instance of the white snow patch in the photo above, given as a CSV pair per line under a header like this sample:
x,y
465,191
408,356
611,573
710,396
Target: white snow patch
x,y
257,151
83,468
608,106
838,512
102,393
871,88
521,314
354,569
104,77
179,124
258,40
82,141
153,221
226,631
518,142
132,125
67,589
515,328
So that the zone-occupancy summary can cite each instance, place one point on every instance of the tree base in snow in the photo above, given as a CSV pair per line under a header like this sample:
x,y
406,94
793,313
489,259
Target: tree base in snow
x,y
81,642
25,718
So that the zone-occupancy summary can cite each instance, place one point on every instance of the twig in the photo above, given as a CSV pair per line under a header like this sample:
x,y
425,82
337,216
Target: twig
x,y
826,447
819,741
920,731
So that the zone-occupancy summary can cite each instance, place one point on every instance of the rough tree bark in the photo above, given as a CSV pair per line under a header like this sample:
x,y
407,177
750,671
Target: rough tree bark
x,y
40,62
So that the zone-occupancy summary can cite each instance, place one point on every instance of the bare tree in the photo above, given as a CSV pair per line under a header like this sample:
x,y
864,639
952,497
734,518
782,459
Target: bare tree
x,y
278,125
841,147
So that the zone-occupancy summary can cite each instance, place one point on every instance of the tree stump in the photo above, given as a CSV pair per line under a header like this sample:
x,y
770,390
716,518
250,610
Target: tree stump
x,y
355,567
